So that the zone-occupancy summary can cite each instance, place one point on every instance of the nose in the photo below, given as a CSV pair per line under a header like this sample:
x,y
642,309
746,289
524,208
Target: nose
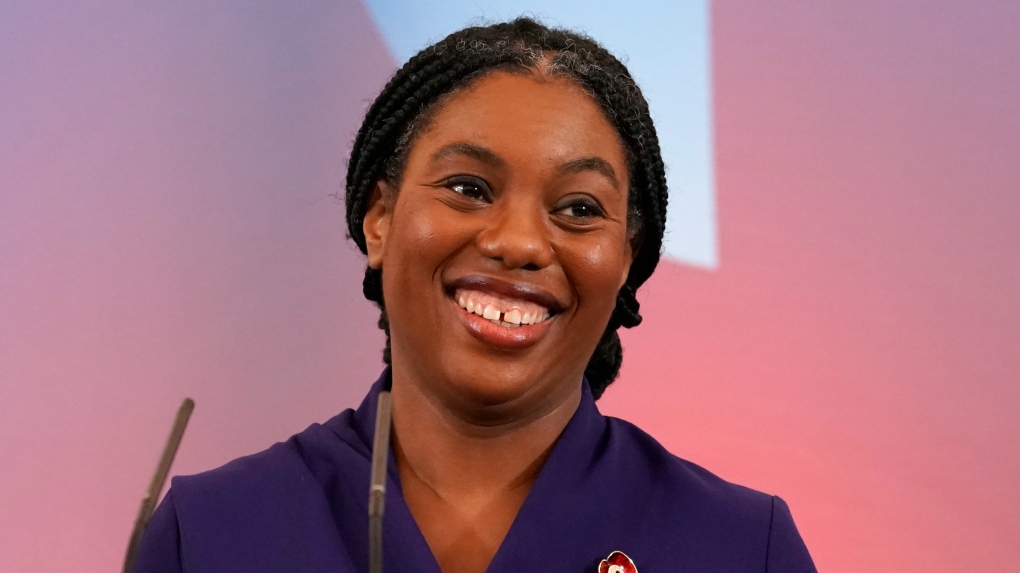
x,y
518,236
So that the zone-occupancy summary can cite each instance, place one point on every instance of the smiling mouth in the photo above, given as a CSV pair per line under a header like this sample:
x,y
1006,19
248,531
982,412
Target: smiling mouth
x,y
506,312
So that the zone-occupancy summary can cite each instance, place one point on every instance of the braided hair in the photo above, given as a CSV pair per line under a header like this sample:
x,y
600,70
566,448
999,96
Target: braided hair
x,y
413,94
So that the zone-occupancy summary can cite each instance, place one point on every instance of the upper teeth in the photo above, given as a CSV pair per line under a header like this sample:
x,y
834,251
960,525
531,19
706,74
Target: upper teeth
x,y
506,312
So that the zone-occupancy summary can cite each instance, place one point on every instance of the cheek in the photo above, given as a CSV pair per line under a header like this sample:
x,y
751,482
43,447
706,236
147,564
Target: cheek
x,y
596,271
415,238
416,248
423,238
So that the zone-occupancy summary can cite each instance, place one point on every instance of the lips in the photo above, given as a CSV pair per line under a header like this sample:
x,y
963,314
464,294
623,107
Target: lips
x,y
502,313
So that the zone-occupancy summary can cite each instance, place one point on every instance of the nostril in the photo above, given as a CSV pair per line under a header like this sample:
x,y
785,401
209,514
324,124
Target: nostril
x,y
531,267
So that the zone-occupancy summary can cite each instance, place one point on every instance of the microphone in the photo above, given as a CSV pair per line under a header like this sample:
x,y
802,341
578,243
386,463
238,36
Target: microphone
x,y
377,484
158,481
376,492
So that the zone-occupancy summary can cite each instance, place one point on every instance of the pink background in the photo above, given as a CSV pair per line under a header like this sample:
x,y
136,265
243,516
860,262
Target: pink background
x,y
168,228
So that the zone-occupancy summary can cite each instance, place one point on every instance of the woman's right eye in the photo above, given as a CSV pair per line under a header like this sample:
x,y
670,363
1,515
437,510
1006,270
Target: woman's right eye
x,y
470,187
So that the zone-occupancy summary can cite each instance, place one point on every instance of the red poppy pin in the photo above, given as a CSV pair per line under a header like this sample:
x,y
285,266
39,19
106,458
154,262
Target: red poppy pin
x,y
617,562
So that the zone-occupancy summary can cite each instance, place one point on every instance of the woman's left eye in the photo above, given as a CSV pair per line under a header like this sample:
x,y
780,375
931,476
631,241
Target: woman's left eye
x,y
582,210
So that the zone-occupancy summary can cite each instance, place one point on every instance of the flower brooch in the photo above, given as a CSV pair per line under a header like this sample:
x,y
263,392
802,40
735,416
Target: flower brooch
x,y
617,562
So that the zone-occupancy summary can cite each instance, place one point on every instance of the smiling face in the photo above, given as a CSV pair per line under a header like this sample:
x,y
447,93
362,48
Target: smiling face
x,y
505,245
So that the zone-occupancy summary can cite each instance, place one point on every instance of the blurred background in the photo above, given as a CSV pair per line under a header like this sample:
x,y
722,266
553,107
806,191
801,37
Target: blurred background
x,y
836,322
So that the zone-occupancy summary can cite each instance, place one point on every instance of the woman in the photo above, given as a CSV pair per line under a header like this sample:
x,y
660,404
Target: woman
x,y
508,191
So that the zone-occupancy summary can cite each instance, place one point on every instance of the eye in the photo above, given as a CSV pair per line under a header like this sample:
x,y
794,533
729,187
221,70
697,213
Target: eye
x,y
581,209
470,187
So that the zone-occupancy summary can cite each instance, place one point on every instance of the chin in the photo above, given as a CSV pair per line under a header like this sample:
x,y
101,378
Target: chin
x,y
499,390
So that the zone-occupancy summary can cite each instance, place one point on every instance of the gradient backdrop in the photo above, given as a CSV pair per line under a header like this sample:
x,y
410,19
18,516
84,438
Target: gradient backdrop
x,y
838,322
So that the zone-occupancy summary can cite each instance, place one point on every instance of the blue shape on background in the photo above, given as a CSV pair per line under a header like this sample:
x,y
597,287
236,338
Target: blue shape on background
x,y
665,45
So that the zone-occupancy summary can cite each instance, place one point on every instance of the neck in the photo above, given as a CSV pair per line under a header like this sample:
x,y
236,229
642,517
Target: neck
x,y
466,469
460,453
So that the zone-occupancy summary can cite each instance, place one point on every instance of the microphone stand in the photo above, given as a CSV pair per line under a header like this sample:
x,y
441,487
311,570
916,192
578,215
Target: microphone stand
x,y
377,487
376,493
158,481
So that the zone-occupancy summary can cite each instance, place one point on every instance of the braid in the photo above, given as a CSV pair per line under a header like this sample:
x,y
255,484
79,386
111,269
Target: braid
x,y
605,362
404,107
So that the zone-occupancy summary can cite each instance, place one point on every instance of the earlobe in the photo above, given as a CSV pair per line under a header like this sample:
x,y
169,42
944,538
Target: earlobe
x,y
376,224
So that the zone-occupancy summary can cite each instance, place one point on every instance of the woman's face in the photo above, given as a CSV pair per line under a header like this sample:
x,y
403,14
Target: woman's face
x,y
505,245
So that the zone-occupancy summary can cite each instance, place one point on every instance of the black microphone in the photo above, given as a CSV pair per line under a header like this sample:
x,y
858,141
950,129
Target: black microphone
x,y
376,493
158,481
377,484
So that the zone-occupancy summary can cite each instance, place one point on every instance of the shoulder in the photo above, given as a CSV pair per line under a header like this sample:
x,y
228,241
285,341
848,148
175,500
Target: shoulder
x,y
260,488
704,513
272,508
674,478
285,468
294,471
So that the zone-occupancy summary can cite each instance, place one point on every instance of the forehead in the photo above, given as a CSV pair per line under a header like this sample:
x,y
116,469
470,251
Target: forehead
x,y
530,117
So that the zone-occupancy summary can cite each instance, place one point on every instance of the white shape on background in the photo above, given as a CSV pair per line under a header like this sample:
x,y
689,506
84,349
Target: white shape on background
x,y
665,45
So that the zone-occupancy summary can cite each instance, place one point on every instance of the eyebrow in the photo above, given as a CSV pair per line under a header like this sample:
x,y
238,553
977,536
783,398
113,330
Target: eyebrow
x,y
596,164
487,156
473,151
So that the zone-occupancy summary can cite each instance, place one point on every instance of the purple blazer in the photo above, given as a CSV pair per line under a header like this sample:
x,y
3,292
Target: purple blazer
x,y
607,486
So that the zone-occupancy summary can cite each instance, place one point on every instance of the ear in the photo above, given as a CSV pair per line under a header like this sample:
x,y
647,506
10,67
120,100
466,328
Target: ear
x,y
376,224
634,241
628,259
